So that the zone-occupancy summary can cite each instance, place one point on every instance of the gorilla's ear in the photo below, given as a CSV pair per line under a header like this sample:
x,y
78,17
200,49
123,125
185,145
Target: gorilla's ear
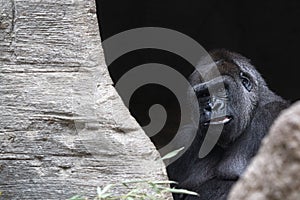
x,y
238,156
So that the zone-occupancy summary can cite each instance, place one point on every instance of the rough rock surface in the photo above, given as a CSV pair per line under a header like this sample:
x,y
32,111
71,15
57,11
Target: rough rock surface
x,y
63,128
274,173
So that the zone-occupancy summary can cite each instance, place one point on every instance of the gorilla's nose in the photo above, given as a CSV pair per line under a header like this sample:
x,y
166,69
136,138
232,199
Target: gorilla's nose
x,y
217,105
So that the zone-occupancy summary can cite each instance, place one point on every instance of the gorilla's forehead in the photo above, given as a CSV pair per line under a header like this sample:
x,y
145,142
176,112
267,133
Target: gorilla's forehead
x,y
236,60
208,71
246,66
221,63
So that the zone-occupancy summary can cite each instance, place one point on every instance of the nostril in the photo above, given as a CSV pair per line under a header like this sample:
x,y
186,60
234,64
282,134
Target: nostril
x,y
207,108
218,104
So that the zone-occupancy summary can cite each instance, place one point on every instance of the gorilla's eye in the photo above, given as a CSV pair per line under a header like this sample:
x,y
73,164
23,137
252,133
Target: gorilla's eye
x,y
246,81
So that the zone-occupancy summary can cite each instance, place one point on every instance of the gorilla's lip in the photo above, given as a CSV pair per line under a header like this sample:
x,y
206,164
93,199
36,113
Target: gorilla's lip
x,y
219,120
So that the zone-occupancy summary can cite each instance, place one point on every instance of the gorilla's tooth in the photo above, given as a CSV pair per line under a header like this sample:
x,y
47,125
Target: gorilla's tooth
x,y
220,120
226,120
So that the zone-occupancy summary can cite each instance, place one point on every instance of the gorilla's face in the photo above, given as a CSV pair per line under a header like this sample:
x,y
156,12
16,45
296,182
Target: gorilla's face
x,y
226,96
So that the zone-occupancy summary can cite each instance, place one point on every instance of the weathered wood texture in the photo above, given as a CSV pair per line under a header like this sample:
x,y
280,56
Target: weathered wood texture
x,y
274,174
63,128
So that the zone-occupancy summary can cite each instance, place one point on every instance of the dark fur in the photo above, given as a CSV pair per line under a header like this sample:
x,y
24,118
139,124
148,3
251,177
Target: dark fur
x,y
253,113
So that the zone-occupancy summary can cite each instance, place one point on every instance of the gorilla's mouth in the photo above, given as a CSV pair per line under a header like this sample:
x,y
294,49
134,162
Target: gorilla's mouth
x,y
219,120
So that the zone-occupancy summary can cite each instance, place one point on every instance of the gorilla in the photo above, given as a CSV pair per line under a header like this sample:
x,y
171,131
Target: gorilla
x,y
247,108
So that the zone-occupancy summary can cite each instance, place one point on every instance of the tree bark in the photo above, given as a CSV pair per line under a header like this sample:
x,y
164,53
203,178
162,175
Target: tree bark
x,y
63,128
274,173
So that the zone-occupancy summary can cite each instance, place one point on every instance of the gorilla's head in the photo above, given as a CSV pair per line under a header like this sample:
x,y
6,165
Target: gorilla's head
x,y
227,94
232,97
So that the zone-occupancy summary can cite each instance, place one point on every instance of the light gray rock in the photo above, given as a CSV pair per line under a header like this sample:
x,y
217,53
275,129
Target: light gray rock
x,y
63,128
274,173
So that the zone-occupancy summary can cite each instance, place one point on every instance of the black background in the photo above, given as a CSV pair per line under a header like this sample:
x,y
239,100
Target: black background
x,y
267,32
